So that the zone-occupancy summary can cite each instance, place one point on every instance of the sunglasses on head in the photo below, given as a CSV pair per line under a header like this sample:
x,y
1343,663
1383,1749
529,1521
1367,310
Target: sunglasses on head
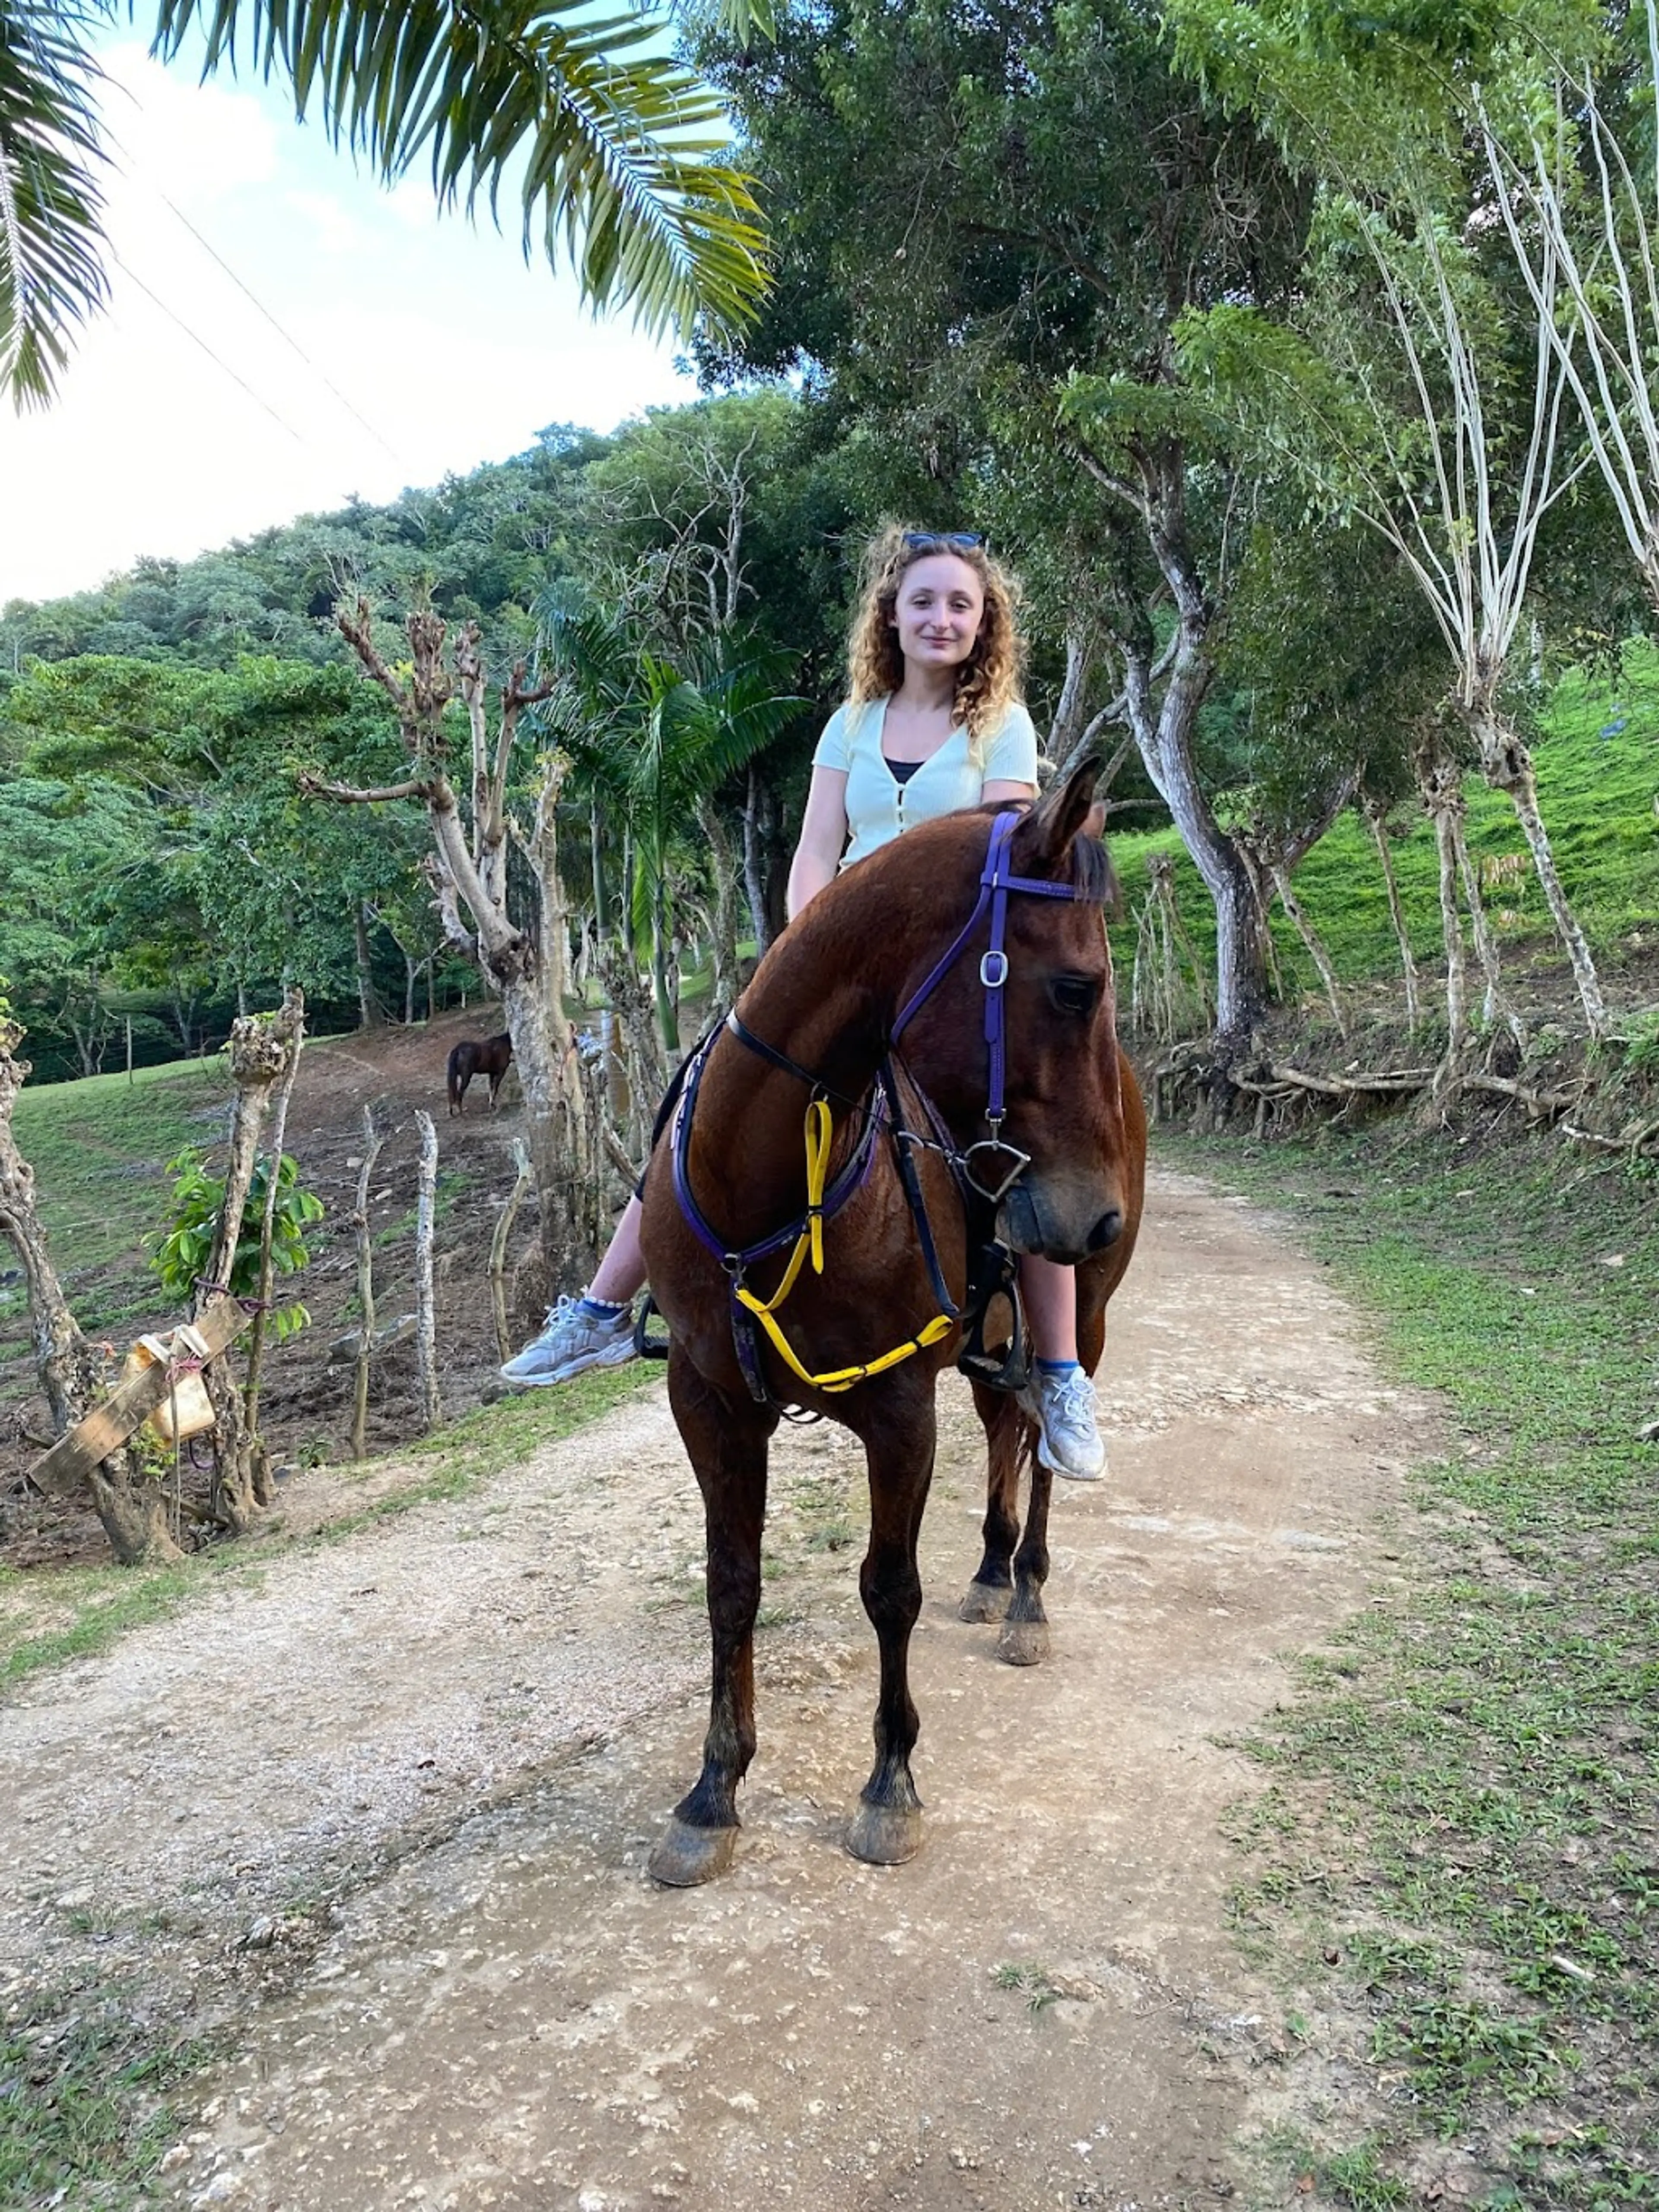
x,y
957,541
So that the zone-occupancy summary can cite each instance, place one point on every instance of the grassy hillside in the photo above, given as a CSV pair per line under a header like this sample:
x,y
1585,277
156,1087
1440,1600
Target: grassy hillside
x,y
1598,774
100,1148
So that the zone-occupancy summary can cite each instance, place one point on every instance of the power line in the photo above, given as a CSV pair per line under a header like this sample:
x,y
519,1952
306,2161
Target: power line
x,y
207,350
287,338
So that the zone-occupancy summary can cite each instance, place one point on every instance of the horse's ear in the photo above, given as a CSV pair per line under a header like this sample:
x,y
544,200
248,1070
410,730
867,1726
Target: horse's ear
x,y
1042,844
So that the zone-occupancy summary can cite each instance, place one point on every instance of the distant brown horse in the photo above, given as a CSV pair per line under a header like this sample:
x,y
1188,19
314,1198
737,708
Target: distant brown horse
x,y
1004,1010
490,1057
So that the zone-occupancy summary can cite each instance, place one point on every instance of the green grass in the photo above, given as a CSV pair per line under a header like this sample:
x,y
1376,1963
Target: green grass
x,y
1033,1981
1597,795
85,2110
1463,1808
100,1148
100,1604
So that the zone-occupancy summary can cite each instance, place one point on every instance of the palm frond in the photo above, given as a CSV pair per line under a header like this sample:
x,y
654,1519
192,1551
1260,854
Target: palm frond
x,y
621,143
51,275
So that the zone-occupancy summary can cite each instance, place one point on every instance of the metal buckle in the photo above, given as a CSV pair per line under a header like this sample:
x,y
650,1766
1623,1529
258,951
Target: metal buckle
x,y
993,982
1022,1161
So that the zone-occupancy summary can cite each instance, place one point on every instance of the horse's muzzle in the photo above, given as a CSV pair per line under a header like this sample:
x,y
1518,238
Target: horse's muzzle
x,y
1032,1219
1107,1230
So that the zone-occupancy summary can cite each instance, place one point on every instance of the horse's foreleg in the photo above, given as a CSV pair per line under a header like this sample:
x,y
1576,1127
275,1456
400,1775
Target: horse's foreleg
x,y
886,1829
992,1584
1024,1638
728,1445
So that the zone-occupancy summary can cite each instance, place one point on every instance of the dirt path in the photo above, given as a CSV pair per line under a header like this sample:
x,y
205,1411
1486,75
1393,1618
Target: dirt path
x,y
384,1804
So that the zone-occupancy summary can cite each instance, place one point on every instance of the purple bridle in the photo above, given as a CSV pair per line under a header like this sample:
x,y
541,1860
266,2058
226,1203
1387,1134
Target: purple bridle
x,y
995,886
882,1111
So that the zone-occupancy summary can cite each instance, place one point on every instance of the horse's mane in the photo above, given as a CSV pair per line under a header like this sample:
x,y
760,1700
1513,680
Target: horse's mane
x,y
1092,878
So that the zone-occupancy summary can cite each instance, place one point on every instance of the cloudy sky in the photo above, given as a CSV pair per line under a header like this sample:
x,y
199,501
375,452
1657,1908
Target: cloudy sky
x,y
388,345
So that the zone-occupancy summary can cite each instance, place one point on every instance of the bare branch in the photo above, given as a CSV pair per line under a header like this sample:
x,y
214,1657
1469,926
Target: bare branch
x,y
318,786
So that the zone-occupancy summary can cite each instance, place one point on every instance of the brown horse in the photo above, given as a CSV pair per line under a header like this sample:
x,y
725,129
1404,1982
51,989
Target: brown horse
x,y
874,952
490,1057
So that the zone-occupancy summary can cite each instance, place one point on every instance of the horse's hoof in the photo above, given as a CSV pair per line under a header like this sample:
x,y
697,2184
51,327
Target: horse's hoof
x,y
687,1856
1024,1643
985,1602
881,1835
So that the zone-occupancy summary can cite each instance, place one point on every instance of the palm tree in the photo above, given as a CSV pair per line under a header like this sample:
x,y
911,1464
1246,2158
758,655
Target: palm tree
x,y
654,740
622,145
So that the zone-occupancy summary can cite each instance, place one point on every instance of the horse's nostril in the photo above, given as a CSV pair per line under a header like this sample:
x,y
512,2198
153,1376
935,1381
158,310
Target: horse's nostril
x,y
1107,1230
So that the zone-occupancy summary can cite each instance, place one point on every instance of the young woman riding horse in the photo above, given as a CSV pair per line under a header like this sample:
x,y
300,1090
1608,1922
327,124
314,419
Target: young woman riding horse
x,y
935,1034
933,722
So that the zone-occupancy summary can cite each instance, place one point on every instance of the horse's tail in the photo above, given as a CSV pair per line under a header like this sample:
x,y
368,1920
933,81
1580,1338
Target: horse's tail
x,y
456,1075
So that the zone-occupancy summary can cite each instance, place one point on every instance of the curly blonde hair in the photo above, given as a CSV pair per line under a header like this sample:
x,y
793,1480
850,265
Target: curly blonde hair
x,y
989,682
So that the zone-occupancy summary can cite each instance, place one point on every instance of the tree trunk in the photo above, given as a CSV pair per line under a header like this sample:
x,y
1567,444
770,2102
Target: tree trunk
x,y
601,885
365,1247
133,1510
1314,945
1495,1007
1376,816
668,1027
566,1156
1506,763
63,1358
255,1350
725,916
498,1244
1069,708
260,1046
131,1506
757,808
425,1320
1164,735
647,1073
1441,788
370,1013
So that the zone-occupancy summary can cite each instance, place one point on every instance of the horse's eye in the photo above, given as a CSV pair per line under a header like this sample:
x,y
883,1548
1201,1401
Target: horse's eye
x,y
1074,995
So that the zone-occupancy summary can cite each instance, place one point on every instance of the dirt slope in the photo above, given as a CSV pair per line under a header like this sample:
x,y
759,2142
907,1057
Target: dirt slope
x,y
385,1807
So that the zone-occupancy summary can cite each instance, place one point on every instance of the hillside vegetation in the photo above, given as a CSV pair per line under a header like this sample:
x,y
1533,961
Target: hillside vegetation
x,y
1597,751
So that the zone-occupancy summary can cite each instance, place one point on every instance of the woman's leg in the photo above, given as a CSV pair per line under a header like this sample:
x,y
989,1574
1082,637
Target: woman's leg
x,y
620,1276
1050,1294
1062,1397
596,1329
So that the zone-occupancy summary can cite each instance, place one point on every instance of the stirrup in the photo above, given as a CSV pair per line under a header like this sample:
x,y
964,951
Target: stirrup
x,y
646,1346
995,1275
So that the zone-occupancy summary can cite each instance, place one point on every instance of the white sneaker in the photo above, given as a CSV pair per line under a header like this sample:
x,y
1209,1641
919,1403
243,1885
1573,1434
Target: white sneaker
x,y
574,1340
1063,1407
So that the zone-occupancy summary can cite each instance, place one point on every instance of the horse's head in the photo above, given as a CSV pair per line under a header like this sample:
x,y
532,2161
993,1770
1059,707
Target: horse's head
x,y
1063,1097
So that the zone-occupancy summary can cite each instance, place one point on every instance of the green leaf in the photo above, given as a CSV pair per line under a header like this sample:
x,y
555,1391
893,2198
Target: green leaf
x,y
51,275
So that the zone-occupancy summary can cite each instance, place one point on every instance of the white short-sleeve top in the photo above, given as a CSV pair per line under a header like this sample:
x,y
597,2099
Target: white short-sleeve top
x,y
880,808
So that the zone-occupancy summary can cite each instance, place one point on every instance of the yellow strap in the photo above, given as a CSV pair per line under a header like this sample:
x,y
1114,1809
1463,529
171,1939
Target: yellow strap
x,y
819,1131
820,1128
843,1378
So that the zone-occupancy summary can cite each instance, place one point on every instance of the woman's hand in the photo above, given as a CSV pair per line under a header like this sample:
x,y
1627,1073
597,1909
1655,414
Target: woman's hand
x,y
823,838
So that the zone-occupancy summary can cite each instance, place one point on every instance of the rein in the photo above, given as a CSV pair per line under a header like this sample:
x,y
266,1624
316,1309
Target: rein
x,y
881,1108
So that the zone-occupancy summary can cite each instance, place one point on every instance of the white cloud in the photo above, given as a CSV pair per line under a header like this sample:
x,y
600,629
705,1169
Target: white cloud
x,y
435,332
335,228
203,138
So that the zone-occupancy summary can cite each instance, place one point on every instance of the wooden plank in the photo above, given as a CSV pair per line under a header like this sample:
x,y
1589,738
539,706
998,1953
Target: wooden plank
x,y
60,1472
